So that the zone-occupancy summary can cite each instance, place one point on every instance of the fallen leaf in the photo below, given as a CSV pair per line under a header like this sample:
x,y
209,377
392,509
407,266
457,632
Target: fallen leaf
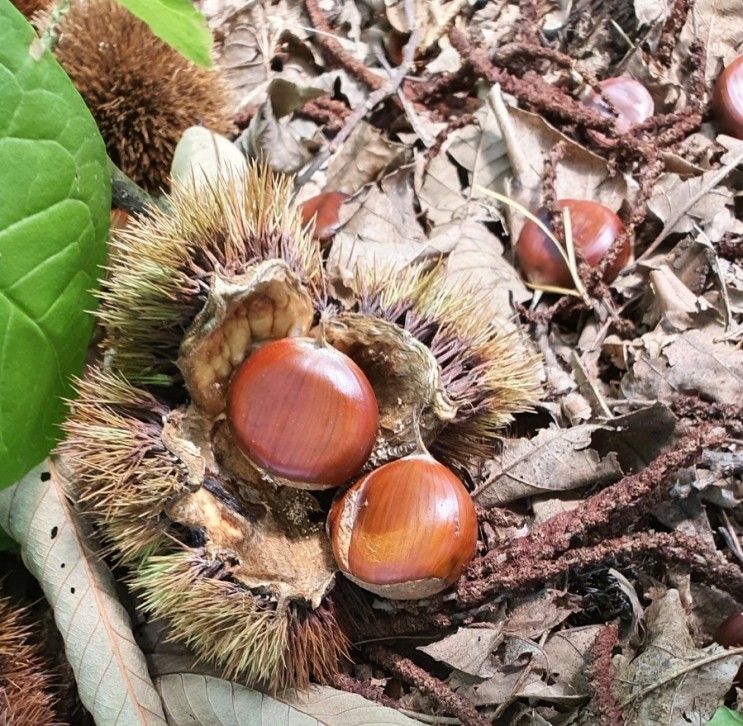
x,y
671,681
521,672
477,260
533,615
636,438
718,23
681,202
109,667
363,158
468,650
379,230
271,139
507,155
554,460
198,700
695,361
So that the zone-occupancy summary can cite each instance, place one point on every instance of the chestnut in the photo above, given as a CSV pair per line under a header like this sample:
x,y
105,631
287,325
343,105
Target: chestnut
x,y
324,209
727,99
304,411
594,229
629,98
730,634
406,530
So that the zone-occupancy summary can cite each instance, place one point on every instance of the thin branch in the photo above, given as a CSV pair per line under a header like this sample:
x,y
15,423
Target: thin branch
x,y
388,89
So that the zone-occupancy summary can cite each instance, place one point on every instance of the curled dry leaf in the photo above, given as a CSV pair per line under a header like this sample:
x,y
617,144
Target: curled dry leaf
x,y
109,667
554,460
679,203
554,673
662,365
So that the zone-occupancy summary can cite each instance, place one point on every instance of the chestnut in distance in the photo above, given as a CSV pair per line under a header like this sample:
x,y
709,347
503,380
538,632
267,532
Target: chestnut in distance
x,y
324,209
727,100
594,229
730,635
302,410
629,98
406,530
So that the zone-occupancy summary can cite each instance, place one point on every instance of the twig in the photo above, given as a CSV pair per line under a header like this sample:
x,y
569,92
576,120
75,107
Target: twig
x,y
127,194
377,96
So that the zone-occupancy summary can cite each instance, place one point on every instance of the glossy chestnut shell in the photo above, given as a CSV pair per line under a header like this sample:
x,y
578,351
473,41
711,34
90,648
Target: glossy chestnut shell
x,y
594,227
730,634
406,530
629,98
727,99
302,410
324,209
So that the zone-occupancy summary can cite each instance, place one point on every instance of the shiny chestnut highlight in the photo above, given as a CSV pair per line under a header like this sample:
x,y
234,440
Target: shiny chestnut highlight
x,y
302,410
727,99
630,100
594,229
406,530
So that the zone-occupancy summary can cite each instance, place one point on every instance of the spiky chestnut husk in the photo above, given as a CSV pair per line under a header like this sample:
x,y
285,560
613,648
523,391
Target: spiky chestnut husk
x,y
142,93
184,289
470,377
279,648
455,366
25,683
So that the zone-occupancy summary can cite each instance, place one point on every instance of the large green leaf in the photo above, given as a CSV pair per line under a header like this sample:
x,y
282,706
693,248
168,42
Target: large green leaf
x,y
725,717
178,23
55,196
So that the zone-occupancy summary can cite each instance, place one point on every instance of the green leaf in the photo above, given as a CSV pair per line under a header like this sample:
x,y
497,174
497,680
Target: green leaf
x,y
179,24
55,196
726,717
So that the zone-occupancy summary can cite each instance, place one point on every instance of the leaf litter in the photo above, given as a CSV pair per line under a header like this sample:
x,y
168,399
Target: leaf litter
x,y
610,514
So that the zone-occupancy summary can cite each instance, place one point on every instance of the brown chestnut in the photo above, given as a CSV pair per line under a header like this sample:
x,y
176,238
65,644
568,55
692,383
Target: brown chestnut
x,y
406,530
727,99
303,411
594,229
730,634
324,209
629,98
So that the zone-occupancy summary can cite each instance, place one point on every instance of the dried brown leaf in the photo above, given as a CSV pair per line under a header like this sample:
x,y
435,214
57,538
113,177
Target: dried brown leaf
x,y
554,460
695,694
